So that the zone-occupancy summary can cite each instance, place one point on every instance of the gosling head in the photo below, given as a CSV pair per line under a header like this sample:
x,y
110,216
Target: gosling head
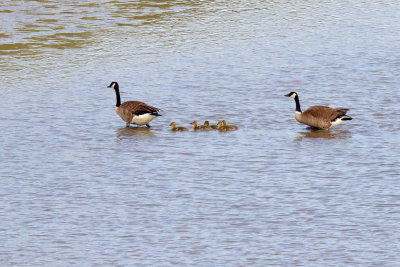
x,y
206,123
292,94
173,124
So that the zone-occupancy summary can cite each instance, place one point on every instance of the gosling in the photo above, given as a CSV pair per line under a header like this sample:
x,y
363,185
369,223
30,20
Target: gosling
x,y
213,126
200,127
222,126
180,128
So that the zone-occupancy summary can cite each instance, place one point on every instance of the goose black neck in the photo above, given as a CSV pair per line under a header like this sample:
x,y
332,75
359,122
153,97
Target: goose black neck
x,y
296,98
116,88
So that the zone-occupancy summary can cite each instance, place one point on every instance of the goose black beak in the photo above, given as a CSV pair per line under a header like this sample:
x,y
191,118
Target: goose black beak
x,y
109,86
288,95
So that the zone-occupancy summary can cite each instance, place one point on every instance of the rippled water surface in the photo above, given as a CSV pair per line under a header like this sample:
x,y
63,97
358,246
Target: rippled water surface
x,y
79,189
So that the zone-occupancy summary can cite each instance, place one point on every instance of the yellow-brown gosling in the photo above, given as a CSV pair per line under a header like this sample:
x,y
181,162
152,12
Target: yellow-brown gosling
x,y
213,126
321,117
230,126
179,128
222,126
200,127
134,112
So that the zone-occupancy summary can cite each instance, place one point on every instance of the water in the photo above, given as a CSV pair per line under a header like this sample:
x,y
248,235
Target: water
x,y
79,189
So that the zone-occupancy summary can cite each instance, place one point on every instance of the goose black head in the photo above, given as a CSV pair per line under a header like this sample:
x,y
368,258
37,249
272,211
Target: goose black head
x,y
113,85
292,94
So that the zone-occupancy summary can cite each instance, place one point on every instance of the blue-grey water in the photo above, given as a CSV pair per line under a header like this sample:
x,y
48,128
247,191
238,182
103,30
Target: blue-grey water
x,y
77,188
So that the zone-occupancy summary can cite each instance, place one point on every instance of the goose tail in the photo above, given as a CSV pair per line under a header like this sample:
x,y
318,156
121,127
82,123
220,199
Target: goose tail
x,y
346,118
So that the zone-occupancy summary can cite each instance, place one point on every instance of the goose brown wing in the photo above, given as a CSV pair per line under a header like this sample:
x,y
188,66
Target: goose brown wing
x,y
319,112
325,113
139,108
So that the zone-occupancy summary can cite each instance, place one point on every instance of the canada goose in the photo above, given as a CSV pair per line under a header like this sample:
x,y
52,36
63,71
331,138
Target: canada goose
x,y
134,112
222,126
207,123
174,128
200,127
321,117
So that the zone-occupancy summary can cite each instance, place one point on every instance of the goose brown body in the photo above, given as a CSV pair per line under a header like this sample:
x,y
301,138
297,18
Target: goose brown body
x,y
131,112
321,117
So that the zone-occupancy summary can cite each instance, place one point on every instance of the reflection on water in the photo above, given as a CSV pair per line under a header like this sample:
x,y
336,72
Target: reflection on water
x,y
134,131
28,28
328,134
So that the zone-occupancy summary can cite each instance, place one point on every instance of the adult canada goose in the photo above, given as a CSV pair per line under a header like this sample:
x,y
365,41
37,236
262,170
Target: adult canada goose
x,y
222,126
134,112
207,123
321,117
200,127
174,128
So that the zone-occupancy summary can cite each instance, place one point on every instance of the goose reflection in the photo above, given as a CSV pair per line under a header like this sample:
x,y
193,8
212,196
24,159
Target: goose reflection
x,y
134,131
327,134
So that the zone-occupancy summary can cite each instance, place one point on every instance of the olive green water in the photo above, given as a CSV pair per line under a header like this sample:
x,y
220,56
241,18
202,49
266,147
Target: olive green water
x,y
79,189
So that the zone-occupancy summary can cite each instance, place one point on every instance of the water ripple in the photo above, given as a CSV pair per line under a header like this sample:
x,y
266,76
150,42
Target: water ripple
x,y
76,182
